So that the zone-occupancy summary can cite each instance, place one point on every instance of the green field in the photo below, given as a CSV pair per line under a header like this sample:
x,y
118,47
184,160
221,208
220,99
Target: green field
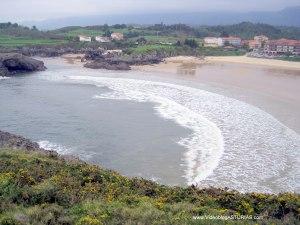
x,y
209,51
11,41
82,31
143,49
169,39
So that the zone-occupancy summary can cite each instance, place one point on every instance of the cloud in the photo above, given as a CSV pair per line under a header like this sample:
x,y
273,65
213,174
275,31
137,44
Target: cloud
x,y
43,9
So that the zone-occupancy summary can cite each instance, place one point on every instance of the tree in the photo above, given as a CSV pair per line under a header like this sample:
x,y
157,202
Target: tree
x,y
192,43
178,43
107,33
141,41
224,34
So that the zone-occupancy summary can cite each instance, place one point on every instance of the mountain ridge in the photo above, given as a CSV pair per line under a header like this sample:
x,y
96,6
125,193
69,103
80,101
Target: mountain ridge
x,y
286,17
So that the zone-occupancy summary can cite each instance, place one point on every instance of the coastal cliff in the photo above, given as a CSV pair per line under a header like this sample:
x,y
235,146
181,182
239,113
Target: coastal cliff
x,y
14,63
41,188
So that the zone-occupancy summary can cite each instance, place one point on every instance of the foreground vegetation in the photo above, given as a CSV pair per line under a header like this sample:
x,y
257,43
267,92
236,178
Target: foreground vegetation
x,y
36,188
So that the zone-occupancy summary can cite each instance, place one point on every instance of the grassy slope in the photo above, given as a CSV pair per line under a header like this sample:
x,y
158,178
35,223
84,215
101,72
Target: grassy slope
x,y
11,41
40,189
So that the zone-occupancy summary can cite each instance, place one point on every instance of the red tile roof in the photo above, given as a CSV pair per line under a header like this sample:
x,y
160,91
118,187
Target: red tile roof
x,y
284,42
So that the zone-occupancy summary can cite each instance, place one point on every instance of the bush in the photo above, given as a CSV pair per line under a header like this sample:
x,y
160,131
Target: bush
x,y
40,189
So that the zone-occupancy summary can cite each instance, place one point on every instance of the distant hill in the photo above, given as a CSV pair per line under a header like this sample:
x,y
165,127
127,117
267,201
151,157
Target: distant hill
x,y
247,30
286,17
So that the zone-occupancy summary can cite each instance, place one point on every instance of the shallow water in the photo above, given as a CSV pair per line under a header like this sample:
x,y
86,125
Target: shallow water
x,y
160,128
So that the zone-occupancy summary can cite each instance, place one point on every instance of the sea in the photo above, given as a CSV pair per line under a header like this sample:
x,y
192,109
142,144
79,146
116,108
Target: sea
x,y
164,128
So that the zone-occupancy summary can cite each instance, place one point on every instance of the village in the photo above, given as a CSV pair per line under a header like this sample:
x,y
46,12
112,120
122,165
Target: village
x,y
261,46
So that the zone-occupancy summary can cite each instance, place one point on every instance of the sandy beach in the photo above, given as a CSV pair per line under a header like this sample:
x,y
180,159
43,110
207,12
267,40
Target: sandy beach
x,y
170,64
271,85
255,61
73,58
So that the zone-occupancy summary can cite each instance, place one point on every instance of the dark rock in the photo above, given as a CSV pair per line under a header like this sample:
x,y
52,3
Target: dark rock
x,y
3,70
107,65
16,142
94,54
14,63
120,62
8,140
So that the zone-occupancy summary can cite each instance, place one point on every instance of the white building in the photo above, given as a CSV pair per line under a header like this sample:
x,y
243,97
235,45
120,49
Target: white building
x,y
102,39
234,41
213,42
117,36
261,38
85,38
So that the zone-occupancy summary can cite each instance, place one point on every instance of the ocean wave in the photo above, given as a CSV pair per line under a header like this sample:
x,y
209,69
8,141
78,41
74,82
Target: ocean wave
x,y
55,147
4,78
232,144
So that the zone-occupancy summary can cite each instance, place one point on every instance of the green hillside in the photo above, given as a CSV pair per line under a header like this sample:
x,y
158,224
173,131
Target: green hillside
x,y
37,188
14,35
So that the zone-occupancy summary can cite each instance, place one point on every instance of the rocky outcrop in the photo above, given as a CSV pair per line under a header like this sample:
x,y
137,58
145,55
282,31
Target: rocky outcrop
x,y
106,65
16,142
8,140
14,63
119,62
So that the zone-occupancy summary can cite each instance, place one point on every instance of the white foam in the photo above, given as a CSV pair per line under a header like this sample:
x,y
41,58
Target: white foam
x,y
55,147
4,78
260,153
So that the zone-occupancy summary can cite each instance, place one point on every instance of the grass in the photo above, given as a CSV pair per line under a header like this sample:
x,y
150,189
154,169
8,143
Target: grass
x,y
291,58
165,39
144,49
210,51
11,41
90,32
83,31
44,189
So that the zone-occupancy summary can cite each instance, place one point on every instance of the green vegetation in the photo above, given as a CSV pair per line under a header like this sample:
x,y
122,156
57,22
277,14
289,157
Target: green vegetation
x,y
83,31
14,35
145,49
291,58
11,41
166,40
247,30
210,51
37,188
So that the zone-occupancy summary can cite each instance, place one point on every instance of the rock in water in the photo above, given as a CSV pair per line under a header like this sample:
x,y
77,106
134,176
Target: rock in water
x,y
14,63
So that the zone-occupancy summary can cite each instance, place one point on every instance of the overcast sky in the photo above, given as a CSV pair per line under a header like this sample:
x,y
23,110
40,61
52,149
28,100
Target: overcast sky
x,y
20,10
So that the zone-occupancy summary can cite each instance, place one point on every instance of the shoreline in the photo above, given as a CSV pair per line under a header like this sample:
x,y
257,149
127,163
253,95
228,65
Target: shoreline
x,y
171,63
255,61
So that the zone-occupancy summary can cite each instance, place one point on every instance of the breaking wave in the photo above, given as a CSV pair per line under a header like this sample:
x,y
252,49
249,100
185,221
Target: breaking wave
x,y
4,78
56,147
232,143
